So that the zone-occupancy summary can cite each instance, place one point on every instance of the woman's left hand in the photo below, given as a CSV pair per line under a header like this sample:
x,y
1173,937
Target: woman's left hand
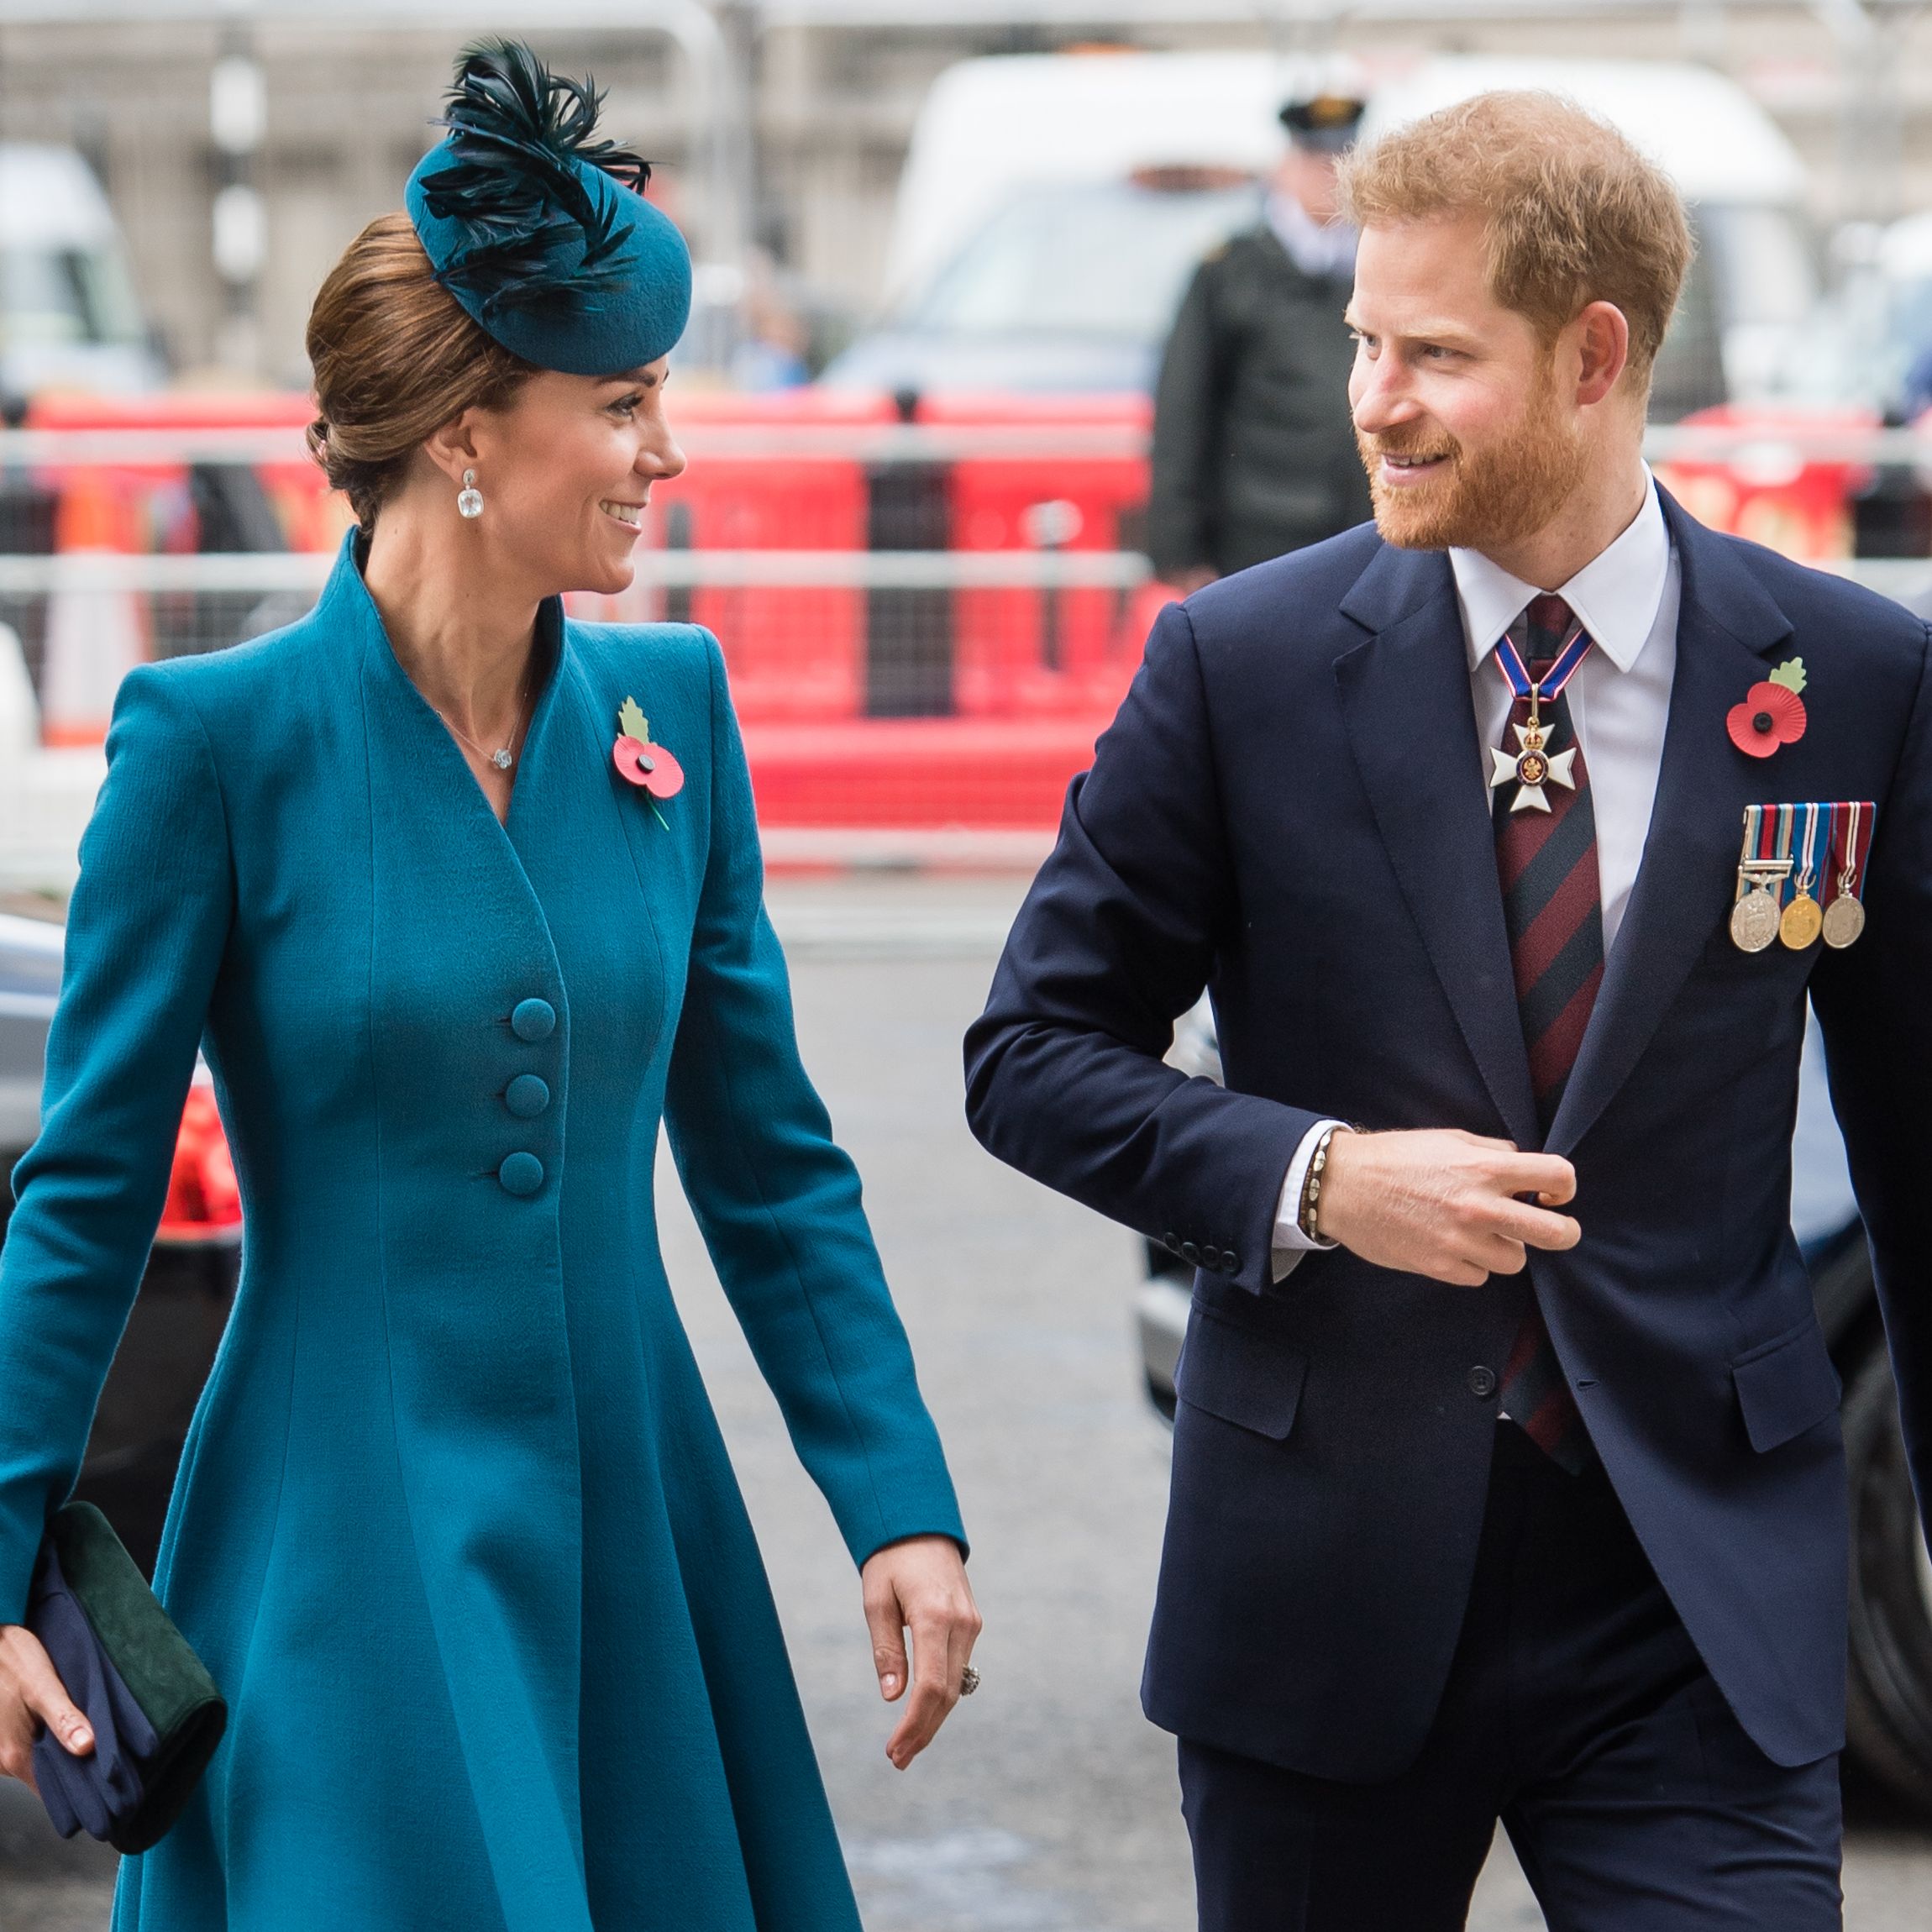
x,y
919,1585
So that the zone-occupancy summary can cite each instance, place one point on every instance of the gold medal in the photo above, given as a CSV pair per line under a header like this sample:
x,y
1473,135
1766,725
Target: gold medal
x,y
1802,922
1844,920
1754,918
1804,917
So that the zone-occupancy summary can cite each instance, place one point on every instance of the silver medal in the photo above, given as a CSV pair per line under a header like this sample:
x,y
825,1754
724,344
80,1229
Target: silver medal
x,y
1755,918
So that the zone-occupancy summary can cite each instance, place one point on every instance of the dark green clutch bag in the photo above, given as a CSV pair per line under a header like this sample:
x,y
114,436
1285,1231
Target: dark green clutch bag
x,y
156,1714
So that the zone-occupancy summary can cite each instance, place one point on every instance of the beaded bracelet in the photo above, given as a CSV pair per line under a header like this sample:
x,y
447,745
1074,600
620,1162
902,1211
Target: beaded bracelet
x,y
1308,1218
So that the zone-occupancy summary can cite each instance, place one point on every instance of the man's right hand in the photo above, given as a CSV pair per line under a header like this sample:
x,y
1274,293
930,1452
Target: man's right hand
x,y
1443,1202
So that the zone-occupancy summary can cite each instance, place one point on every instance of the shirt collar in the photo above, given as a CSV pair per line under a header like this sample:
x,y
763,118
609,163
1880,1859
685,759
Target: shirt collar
x,y
1315,248
1615,595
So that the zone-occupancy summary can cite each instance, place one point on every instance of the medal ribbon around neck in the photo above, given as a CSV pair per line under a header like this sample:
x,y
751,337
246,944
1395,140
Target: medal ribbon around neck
x,y
1533,767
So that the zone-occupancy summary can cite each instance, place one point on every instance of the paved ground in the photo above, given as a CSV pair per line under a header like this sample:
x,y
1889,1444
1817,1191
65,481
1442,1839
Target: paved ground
x,y
1048,1805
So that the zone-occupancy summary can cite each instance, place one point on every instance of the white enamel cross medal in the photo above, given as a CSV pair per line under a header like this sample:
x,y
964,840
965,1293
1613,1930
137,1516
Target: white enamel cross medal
x,y
1533,767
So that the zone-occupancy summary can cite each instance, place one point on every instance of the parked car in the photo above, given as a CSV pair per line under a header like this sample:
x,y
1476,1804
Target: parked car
x,y
1890,1717
69,318
176,1324
1054,207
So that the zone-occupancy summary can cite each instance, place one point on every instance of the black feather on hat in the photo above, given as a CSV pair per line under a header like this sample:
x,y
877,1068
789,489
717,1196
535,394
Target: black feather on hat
x,y
534,233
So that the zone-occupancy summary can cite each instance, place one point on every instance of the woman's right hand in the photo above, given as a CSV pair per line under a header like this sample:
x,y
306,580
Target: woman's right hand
x,y
31,1695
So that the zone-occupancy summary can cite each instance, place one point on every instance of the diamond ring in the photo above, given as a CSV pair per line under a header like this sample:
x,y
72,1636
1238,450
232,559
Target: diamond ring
x,y
968,1681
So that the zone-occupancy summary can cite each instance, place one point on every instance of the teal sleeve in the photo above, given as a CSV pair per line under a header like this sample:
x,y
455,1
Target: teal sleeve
x,y
146,929
779,1201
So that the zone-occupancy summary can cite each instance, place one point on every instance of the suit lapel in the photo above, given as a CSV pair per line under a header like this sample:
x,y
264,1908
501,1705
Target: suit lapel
x,y
1412,729
1726,623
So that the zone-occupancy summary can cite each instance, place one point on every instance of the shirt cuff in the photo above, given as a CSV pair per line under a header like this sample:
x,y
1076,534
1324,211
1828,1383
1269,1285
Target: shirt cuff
x,y
1289,1244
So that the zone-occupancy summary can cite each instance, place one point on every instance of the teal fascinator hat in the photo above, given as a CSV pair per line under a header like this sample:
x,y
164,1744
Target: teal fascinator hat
x,y
542,233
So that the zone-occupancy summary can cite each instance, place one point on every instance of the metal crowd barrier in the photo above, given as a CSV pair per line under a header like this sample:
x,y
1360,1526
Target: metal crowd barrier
x,y
924,442
303,572
904,702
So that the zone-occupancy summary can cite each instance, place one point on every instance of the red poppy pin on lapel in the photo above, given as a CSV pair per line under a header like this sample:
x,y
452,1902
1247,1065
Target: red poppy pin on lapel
x,y
646,765
1772,712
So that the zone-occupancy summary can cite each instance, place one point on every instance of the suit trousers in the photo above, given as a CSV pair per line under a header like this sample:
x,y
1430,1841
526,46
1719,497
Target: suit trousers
x,y
1578,1712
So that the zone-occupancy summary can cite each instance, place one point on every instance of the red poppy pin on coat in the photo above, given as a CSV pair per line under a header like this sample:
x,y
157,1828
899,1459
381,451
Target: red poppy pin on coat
x,y
1772,712
646,765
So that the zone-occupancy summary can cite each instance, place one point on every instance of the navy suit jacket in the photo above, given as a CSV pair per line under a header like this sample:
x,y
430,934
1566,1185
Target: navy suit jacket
x,y
1290,810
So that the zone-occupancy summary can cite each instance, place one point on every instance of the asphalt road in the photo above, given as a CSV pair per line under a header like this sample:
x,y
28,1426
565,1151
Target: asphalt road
x,y
1048,1804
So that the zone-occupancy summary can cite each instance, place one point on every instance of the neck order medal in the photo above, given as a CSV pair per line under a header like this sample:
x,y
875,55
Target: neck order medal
x,y
1534,765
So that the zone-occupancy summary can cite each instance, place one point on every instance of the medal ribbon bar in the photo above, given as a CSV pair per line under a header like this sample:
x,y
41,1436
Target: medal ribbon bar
x,y
1801,874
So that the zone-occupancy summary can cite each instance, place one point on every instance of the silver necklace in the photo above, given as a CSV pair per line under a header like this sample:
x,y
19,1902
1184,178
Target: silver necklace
x,y
505,755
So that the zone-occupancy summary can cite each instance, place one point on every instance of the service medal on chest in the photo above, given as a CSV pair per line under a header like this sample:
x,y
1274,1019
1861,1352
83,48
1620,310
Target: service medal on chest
x,y
1533,767
1758,916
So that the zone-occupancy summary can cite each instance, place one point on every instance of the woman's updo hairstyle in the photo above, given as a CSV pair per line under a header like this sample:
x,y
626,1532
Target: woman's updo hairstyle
x,y
394,359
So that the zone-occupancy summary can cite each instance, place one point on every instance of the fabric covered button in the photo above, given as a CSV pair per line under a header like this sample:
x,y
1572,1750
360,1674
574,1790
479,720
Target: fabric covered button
x,y
1482,1382
521,1174
527,1096
533,1019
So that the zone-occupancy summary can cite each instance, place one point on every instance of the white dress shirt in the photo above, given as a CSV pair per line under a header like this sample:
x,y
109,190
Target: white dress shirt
x,y
1626,598
1315,248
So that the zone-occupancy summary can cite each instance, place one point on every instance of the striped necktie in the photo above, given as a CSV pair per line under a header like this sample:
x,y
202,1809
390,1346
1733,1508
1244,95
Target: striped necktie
x,y
1552,904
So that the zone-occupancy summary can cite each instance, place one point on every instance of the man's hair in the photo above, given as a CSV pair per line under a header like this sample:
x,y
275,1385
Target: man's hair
x,y
1572,213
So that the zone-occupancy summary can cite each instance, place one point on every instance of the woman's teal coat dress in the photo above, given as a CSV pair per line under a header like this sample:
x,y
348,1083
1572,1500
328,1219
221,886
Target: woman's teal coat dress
x,y
455,1530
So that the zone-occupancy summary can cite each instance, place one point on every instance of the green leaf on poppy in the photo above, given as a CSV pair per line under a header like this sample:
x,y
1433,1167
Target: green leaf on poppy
x,y
1790,675
633,722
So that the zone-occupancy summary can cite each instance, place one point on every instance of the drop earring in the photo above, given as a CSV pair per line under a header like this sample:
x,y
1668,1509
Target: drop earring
x,y
469,498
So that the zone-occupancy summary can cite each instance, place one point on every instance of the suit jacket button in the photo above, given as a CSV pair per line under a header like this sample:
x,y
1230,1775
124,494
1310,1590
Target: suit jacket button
x,y
533,1019
1482,1382
1190,1250
1171,1240
527,1096
1211,1257
521,1174
1229,1262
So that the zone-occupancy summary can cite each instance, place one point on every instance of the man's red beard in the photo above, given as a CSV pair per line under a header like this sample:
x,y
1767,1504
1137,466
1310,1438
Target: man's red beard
x,y
1483,499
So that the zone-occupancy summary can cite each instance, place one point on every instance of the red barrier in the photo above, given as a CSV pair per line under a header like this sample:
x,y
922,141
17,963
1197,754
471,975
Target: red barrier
x,y
792,653
1022,652
1767,490
927,773
147,505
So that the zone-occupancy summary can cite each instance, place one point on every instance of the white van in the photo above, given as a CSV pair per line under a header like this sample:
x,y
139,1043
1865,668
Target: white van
x,y
1054,207
69,315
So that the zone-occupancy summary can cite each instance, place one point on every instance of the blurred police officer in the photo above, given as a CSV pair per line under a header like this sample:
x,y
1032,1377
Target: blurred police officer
x,y
1253,450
